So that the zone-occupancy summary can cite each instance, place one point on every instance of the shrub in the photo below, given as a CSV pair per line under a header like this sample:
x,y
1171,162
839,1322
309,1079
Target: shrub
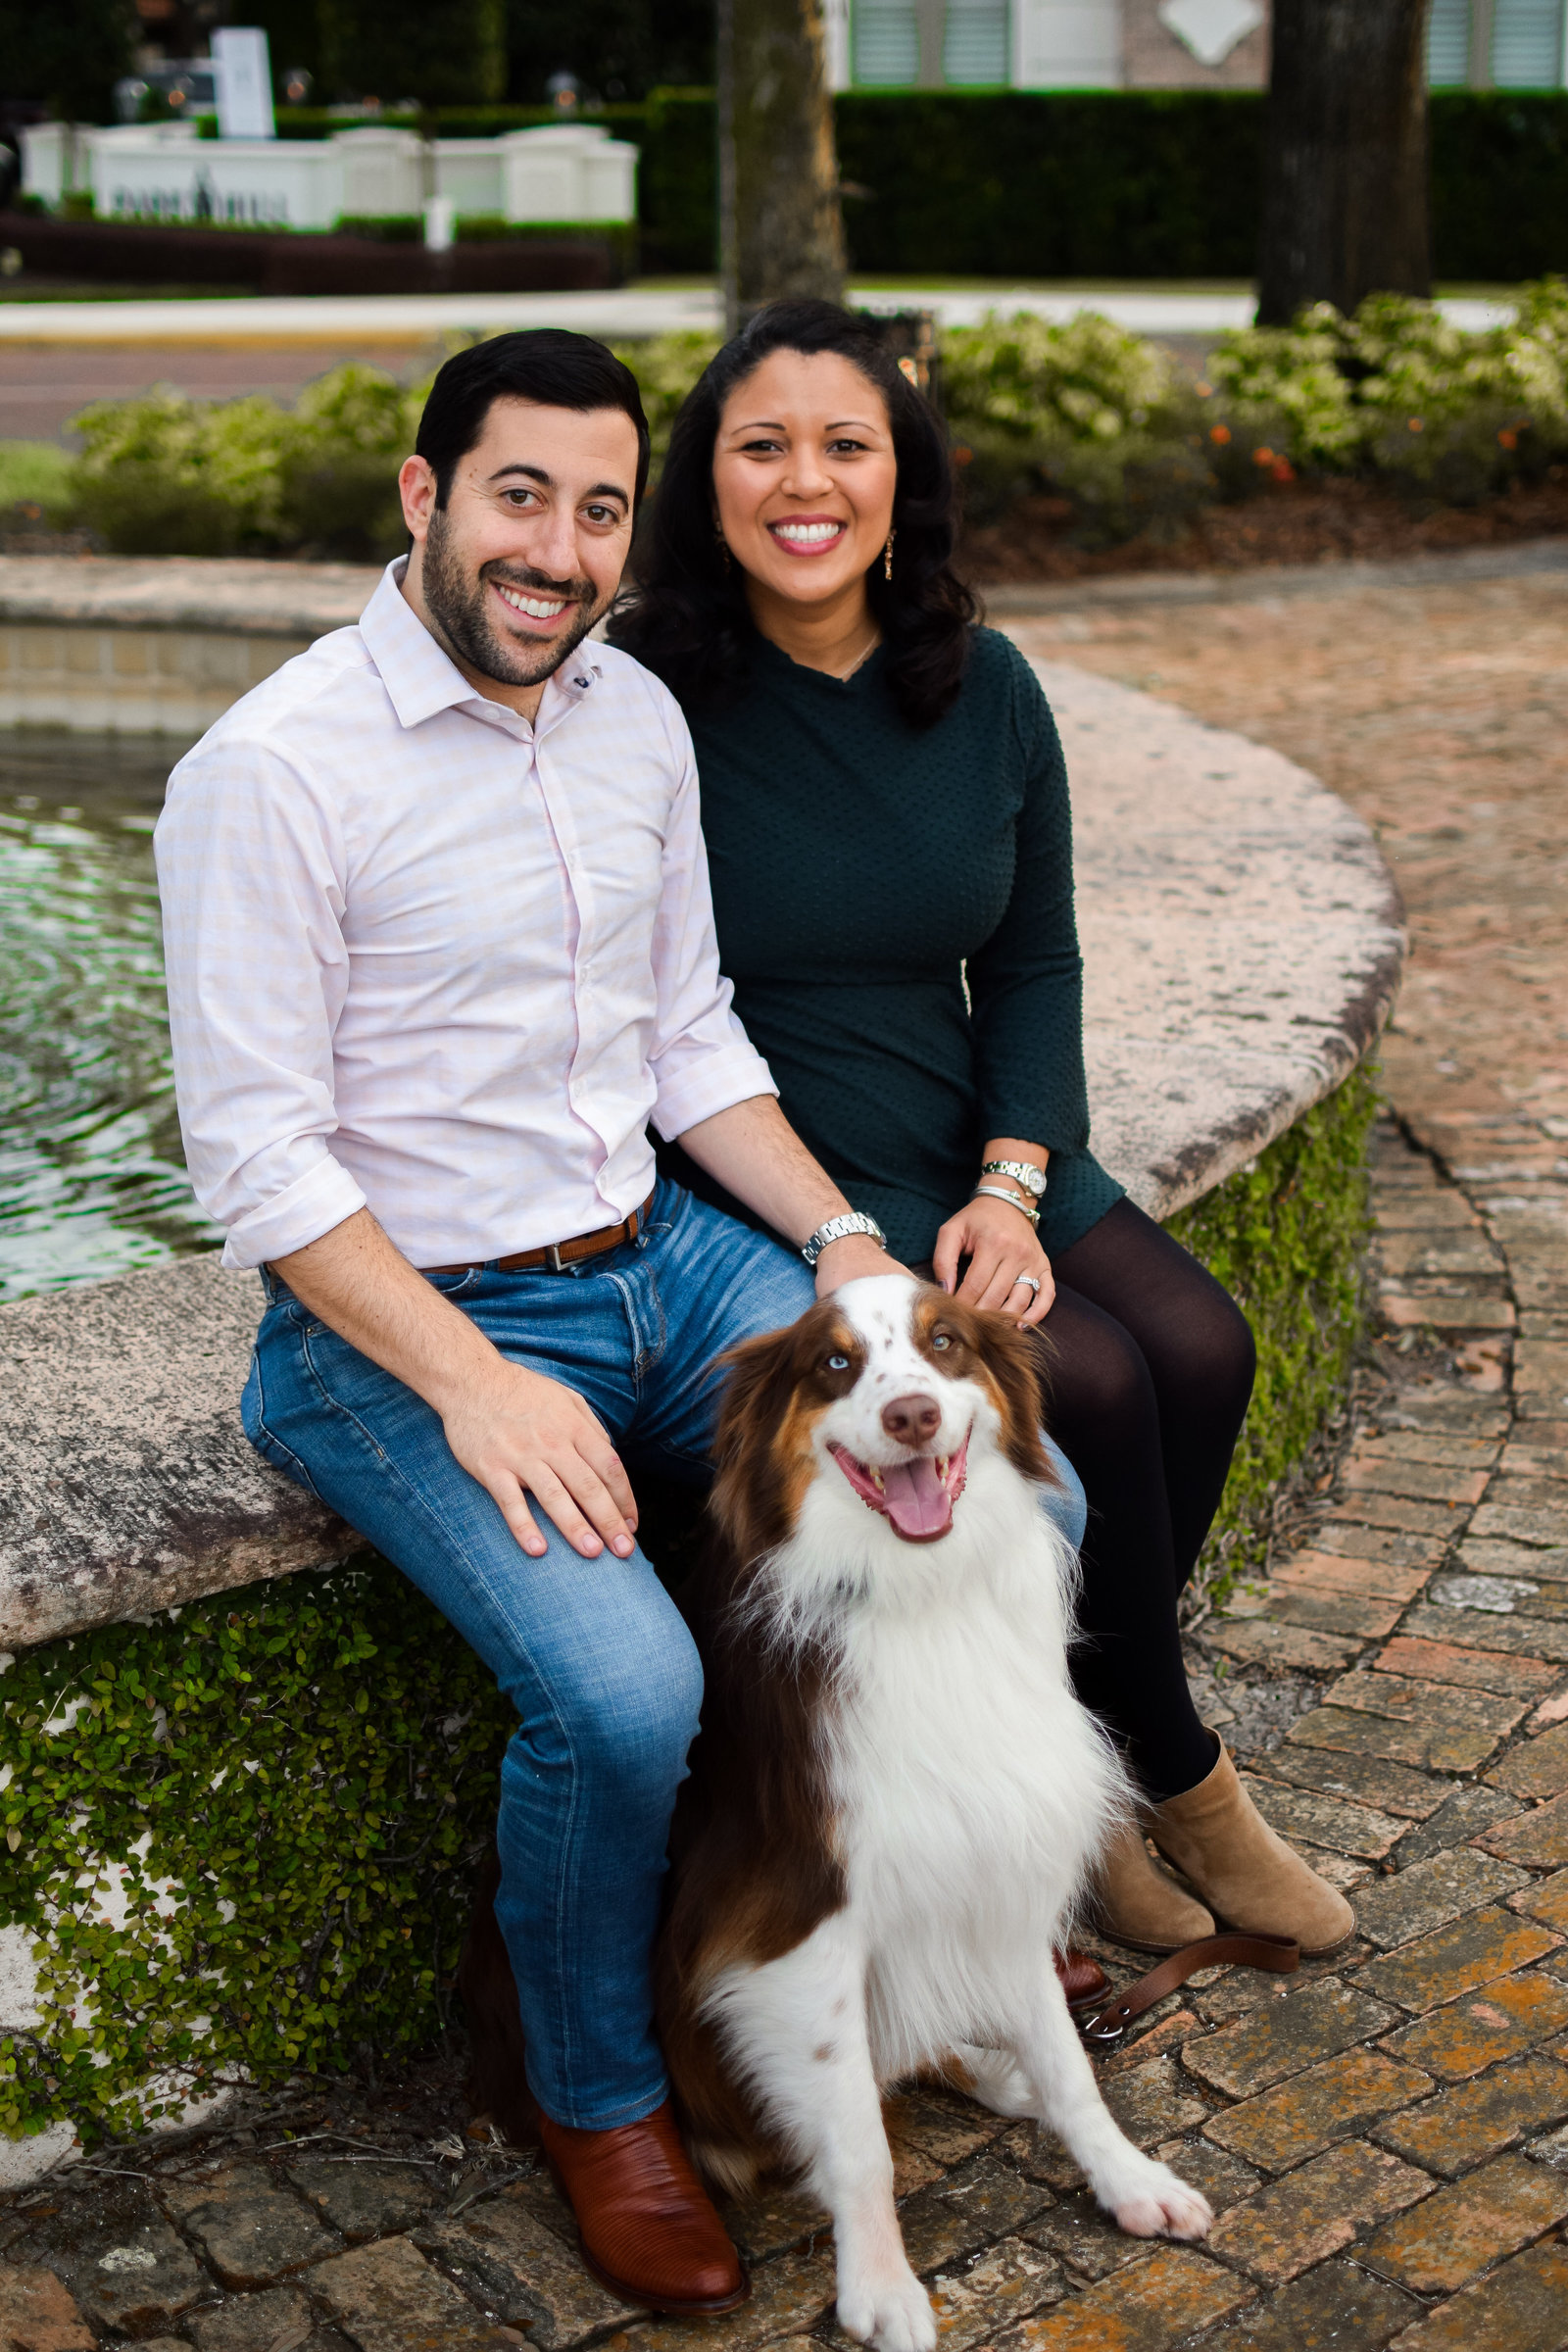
x,y
1399,393
665,367
35,475
1085,410
166,475
338,463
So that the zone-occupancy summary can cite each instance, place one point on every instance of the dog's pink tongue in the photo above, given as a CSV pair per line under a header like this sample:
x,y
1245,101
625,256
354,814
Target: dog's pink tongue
x,y
918,1501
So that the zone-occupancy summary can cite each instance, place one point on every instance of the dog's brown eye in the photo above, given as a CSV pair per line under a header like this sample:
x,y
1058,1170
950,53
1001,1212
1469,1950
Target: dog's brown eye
x,y
838,1363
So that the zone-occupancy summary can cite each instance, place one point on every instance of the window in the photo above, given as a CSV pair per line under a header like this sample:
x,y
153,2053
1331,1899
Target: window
x,y
974,42
887,42
1526,44
1448,44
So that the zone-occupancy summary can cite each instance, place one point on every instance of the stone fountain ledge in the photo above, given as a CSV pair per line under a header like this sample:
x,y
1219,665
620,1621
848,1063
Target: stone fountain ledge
x,y
160,645
1242,940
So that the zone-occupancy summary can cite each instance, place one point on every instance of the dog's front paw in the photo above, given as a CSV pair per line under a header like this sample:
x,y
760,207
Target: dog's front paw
x,y
891,2314
1161,2206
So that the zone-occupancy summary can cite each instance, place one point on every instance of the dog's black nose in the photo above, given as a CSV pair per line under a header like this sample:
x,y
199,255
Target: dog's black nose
x,y
912,1420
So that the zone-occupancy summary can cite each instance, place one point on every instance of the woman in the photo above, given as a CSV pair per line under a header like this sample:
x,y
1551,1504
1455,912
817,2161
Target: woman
x,y
886,811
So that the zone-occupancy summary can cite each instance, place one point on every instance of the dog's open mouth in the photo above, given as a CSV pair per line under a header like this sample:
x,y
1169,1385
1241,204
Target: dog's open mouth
x,y
916,1499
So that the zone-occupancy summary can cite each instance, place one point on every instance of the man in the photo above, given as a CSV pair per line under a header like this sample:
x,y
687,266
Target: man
x,y
439,945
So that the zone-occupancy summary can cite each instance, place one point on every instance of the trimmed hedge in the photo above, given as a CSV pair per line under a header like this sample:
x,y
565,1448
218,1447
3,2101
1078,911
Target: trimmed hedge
x,y
1069,183
1106,183
298,1779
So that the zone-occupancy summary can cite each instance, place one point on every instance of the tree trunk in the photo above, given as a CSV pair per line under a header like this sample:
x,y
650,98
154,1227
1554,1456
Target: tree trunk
x,y
1345,178
789,232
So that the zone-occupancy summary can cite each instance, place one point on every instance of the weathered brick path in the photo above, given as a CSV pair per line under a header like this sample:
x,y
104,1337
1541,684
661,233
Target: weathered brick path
x,y
1386,2135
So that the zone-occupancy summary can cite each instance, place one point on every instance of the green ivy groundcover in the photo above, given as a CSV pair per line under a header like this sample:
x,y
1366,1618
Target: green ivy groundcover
x,y
241,1836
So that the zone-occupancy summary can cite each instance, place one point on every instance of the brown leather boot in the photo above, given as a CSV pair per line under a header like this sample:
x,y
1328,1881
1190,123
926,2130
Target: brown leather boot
x,y
647,2225
1135,1902
1217,1837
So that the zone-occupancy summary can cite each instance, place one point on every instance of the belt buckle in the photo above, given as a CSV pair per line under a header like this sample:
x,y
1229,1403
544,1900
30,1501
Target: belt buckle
x,y
552,1252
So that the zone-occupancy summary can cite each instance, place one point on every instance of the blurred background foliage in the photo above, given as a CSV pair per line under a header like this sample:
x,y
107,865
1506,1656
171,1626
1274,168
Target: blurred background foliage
x,y
1108,422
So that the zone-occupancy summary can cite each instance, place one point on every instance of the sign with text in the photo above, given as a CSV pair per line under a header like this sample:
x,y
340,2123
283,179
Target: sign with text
x,y
243,73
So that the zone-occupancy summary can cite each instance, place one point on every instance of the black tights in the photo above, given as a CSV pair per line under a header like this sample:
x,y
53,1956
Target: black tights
x,y
1148,1367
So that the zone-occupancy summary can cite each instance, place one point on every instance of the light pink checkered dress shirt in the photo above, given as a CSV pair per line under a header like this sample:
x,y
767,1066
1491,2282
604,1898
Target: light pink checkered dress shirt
x,y
426,956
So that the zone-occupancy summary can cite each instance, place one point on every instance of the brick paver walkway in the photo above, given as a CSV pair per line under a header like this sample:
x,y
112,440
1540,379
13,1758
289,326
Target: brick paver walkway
x,y
1386,2135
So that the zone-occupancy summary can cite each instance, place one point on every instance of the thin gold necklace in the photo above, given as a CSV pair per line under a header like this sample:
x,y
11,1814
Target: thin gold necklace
x,y
860,659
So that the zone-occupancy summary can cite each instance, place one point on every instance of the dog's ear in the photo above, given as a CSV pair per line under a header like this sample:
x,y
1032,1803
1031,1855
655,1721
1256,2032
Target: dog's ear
x,y
758,1376
1013,1365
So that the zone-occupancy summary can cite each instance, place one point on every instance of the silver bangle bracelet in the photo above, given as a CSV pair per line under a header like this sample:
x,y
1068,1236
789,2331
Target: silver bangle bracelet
x,y
994,1192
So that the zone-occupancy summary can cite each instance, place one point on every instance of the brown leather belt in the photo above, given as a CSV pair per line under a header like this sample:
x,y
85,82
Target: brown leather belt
x,y
556,1254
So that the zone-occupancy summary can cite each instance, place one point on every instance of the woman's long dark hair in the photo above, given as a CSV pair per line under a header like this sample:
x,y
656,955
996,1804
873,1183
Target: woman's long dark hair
x,y
690,623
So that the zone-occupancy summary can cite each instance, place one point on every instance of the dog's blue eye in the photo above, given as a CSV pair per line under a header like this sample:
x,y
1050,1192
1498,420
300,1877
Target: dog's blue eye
x,y
940,1339
838,1363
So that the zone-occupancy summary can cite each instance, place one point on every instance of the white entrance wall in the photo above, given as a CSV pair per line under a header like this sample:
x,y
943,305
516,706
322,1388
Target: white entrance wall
x,y
568,172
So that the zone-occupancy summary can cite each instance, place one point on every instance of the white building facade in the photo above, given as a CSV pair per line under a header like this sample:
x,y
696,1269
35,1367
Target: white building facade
x,y
1155,44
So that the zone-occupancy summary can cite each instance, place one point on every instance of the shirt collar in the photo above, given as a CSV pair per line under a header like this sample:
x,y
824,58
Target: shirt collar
x,y
422,680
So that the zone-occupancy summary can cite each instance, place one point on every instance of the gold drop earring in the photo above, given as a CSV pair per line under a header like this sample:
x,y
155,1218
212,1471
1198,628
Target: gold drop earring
x,y
887,557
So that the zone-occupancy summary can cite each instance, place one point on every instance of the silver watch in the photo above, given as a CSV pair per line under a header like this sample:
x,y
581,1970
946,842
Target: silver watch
x,y
838,1229
1032,1179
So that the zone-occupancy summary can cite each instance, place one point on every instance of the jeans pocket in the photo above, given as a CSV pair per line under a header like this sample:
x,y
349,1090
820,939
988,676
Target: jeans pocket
x,y
272,1449
457,1285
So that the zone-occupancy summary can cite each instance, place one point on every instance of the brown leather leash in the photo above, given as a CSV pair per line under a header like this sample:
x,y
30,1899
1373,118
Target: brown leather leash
x,y
1102,2022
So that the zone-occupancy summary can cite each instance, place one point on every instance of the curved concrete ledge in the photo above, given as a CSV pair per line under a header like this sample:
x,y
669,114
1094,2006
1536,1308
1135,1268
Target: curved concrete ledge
x,y
1241,943
114,646
232,597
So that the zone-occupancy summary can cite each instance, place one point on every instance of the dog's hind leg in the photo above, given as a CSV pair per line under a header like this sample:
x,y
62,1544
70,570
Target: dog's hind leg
x,y
1146,2196
796,2028
993,2077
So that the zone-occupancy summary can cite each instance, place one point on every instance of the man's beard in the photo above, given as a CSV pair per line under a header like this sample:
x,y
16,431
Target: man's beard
x,y
461,608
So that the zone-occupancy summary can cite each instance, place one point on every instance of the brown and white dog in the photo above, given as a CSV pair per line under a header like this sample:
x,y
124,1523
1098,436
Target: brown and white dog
x,y
896,1795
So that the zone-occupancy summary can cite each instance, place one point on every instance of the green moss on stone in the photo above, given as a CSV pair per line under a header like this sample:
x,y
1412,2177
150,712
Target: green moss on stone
x,y
1286,1236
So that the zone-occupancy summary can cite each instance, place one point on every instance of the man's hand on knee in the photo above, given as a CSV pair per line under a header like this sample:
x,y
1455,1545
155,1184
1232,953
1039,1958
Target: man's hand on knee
x,y
519,1433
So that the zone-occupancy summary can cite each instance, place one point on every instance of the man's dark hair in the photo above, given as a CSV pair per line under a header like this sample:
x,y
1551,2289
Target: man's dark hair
x,y
689,622
544,363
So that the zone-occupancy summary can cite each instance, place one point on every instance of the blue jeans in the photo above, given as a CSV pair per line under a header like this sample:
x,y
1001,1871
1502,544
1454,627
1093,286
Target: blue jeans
x,y
593,1655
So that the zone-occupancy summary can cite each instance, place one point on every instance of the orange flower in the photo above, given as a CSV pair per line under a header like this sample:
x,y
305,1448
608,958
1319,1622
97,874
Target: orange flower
x,y
962,454
1282,471
1204,391
1263,457
1416,425
1508,438
1220,433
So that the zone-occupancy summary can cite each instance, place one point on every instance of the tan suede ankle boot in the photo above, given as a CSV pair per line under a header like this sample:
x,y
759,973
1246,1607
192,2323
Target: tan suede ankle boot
x,y
1134,1902
1217,1837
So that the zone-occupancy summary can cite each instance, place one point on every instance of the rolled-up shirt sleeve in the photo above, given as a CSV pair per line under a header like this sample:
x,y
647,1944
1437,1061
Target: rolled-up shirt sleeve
x,y
250,873
701,1058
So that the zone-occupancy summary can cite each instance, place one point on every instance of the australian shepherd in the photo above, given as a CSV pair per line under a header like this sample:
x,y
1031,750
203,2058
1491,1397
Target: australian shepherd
x,y
896,1798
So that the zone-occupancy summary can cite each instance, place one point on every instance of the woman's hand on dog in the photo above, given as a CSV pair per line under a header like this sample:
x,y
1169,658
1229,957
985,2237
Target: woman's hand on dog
x,y
1000,1245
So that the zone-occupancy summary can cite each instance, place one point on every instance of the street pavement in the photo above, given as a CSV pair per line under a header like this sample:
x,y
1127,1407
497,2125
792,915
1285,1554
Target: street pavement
x,y
624,310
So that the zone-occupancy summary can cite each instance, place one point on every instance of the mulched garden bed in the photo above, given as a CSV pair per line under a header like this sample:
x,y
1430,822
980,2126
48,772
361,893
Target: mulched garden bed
x,y
1297,523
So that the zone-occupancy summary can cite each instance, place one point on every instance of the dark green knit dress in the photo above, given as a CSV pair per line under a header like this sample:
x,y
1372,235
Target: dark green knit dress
x,y
864,871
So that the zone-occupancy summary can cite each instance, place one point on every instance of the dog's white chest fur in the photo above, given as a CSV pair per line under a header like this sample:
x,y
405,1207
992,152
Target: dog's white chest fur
x,y
971,1790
